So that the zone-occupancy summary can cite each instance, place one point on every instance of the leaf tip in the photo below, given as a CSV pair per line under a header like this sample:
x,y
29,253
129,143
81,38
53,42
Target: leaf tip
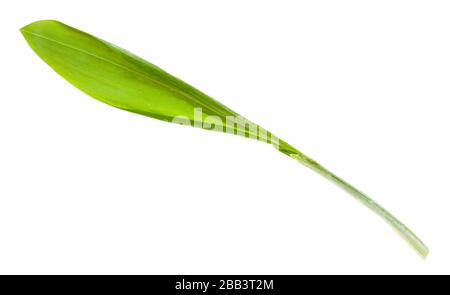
x,y
38,24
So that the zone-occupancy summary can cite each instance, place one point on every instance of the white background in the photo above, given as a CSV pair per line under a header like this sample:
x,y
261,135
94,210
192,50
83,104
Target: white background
x,y
361,86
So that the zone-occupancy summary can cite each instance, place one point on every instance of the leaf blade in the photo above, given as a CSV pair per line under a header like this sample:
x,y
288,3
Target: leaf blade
x,y
115,76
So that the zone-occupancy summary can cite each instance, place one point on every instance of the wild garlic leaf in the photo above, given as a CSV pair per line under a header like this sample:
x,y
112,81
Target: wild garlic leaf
x,y
119,78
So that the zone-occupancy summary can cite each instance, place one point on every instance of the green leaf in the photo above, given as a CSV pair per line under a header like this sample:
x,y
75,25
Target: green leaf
x,y
119,78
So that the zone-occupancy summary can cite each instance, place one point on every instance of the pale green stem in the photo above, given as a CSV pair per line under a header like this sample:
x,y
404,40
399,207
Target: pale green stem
x,y
398,226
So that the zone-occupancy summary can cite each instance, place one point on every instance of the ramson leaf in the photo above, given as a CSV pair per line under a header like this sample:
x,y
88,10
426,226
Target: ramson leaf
x,y
119,78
